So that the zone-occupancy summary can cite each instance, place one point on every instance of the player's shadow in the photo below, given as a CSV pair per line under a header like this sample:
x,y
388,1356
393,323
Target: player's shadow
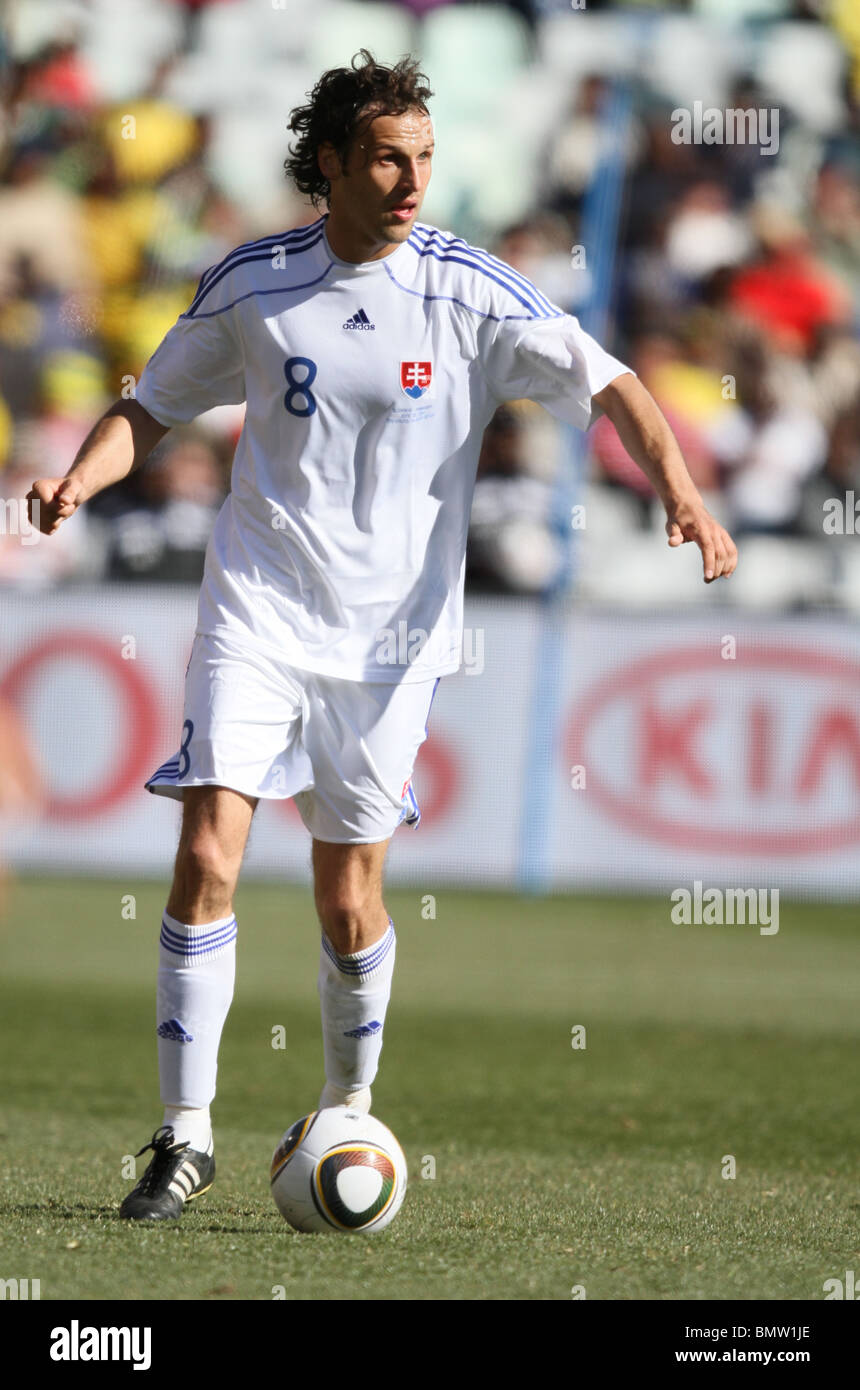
x,y
55,1209
217,1227
68,1211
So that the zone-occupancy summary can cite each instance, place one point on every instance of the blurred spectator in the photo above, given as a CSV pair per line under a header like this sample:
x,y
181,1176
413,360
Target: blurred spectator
x,y
56,80
786,290
835,224
834,374
162,537
705,233
575,147
421,7
839,479
777,446
540,249
512,546
737,281
690,399
42,222
29,560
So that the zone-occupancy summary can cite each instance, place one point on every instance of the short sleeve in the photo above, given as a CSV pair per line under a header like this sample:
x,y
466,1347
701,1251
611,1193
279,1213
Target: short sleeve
x,y
198,365
552,361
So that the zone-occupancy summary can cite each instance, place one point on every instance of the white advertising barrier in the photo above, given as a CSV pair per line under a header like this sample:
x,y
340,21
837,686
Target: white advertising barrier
x,y
703,747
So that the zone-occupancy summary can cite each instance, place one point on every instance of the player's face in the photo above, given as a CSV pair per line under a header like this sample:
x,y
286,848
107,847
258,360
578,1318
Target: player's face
x,y
380,191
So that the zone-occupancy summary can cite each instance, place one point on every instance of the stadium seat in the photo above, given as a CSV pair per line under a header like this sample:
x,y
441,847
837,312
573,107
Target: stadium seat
x,y
202,83
610,512
31,24
777,573
636,570
286,27
254,33
477,60
576,44
252,182
123,45
733,11
541,100
232,34
345,26
847,576
479,178
689,60
473,55
801,67
199,83
281,85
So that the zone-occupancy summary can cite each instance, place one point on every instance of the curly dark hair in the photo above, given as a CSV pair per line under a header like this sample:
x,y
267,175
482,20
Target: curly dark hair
x,y
341,98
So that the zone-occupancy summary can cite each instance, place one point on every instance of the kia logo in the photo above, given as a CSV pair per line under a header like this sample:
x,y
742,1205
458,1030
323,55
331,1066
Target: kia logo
x,y
755,755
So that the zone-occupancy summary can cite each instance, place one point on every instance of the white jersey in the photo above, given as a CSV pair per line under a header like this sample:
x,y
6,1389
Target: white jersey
x,y
342,544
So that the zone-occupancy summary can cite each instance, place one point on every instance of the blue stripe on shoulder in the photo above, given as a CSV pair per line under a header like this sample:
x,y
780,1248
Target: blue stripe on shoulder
x,y
452,299
259,294
260,244
261,251
473,309
500,267
295,233
429,238
450,242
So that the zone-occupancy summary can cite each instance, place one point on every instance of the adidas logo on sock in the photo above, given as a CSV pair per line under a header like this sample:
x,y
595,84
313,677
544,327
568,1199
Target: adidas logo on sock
x,y
365,1030
360,320
173,1030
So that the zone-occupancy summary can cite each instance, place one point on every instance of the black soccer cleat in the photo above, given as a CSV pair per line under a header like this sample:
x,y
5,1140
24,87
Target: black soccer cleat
x,y
175,1175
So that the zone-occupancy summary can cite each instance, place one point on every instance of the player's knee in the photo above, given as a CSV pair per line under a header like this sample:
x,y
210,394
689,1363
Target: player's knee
x,y
344,916
202,864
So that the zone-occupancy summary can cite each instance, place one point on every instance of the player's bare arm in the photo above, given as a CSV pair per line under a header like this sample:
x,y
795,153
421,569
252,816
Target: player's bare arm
x,y
645,434
117,443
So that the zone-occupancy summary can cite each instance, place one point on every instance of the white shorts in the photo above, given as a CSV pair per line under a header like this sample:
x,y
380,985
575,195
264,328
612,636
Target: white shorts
x,y
344,750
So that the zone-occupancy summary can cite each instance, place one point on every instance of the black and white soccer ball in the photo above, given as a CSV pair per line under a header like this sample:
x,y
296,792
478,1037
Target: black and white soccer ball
x,y
338,1170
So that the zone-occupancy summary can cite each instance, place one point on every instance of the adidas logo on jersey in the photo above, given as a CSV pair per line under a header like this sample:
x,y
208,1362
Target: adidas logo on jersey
x,y
360,320
365,1030
173,1030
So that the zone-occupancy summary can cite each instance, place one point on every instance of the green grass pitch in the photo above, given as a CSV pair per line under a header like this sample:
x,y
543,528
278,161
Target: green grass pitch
x,y
555,1167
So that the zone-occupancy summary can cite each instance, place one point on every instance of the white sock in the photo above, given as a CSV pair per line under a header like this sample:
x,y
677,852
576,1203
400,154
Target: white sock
x,y
339,1095
190,1126
196,974
354,992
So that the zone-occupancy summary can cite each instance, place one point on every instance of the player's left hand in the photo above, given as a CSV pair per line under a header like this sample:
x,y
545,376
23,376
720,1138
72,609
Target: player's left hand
x,y
691,521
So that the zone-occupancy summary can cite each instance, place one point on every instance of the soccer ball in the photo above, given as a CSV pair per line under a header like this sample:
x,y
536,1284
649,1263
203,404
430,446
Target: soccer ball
x,y
338,1170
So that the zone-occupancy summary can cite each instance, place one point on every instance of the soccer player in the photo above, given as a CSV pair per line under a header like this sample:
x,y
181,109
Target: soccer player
x,y
371,350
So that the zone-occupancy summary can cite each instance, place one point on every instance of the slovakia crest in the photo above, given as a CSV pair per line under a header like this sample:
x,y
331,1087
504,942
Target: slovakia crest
x,y
415,378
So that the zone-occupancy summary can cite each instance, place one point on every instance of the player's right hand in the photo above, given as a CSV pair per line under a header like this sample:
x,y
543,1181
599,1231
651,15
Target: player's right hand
x,y
58,499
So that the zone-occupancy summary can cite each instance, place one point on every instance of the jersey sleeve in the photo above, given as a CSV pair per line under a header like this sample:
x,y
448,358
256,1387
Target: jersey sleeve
x,y
552,361
198,365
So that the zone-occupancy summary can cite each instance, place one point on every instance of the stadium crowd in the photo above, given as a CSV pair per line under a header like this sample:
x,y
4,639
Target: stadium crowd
x,y
737,293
